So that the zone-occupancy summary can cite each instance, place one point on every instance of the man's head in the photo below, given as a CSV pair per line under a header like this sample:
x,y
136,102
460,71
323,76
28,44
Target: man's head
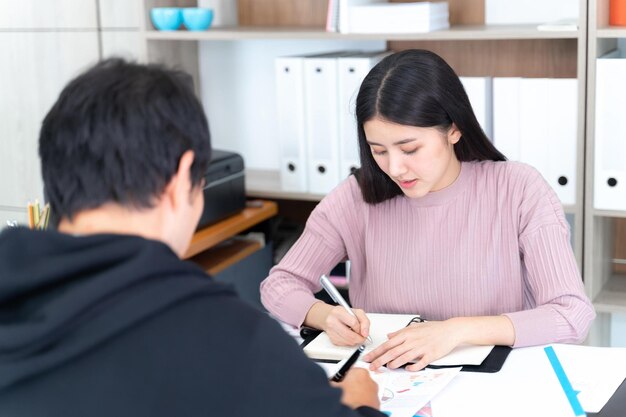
x,y
125,135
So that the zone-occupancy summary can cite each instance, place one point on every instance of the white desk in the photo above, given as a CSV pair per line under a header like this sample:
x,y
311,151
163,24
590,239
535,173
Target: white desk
x,y
527,385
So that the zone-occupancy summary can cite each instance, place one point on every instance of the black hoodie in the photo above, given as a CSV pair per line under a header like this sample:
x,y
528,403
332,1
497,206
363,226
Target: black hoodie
x,y
113,325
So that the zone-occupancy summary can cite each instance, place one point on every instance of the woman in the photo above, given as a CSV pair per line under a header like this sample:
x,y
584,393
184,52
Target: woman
x,y
436,223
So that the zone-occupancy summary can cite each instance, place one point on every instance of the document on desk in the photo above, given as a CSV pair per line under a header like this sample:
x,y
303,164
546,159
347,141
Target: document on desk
x,y
382,324
527,384
596,372
403,393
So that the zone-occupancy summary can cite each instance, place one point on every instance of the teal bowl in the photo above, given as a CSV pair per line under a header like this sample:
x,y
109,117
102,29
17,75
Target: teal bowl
x,y
197,18
166,18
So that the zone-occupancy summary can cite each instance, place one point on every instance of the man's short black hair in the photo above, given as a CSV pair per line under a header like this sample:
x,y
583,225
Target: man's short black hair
x,y
116,135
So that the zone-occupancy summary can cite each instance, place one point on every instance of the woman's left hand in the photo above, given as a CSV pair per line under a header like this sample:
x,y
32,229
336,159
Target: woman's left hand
x,y
420,342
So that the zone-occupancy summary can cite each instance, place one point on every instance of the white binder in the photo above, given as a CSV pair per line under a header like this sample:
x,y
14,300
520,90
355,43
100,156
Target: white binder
x,y
289,75
609,183
322,121
561,139
548,131
352,69
534,119
479,91
506,116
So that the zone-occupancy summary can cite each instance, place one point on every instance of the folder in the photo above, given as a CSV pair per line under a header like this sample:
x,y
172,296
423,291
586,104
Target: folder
x,y
562,137
322,121
480,93
534,119
352,70
332,16
609,183
535,122
472,358
289,76
506,116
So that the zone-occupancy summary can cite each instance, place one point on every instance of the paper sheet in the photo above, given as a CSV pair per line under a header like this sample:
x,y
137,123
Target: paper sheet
x,y
596,372
464,355
403,393
527,384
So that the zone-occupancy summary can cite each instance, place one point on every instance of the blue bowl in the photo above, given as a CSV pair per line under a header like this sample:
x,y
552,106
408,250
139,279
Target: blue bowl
x,y
197,18
166,18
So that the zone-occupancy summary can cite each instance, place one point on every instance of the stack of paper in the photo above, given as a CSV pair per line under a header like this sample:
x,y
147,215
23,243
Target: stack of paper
x,y
399,17
507,12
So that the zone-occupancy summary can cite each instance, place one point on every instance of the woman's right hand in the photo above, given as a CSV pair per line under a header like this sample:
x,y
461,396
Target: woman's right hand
x,y
342,328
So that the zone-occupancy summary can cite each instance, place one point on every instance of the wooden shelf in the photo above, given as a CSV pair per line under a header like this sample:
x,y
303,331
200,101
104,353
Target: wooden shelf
x,y
212,235
227,253
457,33
612,298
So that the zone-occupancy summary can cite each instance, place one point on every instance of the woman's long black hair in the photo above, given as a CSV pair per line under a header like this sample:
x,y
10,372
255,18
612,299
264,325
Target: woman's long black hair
x,y
415,87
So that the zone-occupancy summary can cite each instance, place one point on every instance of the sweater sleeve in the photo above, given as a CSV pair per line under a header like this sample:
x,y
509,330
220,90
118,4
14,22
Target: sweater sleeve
x,y
288,291
558,311
283,382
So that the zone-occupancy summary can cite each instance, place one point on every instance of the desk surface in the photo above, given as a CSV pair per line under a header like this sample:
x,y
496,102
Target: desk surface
x,y
517,389
212,235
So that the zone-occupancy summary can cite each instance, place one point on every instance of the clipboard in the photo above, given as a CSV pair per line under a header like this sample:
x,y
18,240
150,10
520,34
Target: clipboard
x,y
492,363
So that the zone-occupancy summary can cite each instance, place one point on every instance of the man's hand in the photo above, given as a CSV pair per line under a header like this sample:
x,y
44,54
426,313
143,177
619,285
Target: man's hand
x,y
359,389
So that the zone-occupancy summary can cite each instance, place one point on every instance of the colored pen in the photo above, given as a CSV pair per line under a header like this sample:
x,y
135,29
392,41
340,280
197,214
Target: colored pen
x,y
341,373
334,294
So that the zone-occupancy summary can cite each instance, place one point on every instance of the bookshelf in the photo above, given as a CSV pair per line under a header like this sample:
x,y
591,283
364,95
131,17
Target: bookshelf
x,y
470,46
605,276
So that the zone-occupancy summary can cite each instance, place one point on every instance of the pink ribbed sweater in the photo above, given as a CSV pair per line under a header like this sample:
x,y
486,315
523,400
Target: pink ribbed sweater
x,y
494,242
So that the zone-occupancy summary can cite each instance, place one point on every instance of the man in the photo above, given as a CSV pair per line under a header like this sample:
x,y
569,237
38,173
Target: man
x,y
101,318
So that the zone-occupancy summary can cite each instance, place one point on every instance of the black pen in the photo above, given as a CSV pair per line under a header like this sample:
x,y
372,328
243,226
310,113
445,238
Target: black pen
x,y
338,377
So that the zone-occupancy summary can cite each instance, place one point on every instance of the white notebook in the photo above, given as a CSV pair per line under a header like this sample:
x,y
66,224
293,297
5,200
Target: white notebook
x,y
382,324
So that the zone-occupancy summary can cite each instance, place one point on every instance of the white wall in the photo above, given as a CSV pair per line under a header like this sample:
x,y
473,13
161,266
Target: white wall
x,y
44,44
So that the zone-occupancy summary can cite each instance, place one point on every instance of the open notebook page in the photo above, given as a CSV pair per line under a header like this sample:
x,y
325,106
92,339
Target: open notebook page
x,y
382,324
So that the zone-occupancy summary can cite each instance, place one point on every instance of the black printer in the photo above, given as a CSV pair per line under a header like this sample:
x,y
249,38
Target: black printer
x,y
225,191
